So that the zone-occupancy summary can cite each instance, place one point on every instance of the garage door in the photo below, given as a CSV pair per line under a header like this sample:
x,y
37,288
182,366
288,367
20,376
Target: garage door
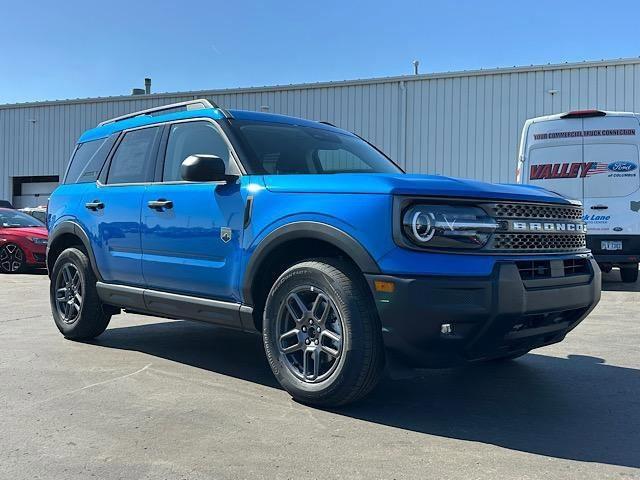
x,y
33,192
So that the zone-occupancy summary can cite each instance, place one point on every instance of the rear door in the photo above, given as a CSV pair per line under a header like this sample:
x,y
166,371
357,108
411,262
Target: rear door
x,y
553,157
112,206
612,184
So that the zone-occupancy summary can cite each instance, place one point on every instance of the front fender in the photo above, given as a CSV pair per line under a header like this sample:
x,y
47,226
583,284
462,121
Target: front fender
x,y
305,229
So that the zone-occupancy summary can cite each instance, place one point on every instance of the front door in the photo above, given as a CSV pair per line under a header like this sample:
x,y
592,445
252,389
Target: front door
x,y
191,233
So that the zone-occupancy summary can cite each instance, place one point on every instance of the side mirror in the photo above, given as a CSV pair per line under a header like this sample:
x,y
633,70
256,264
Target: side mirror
x,y
204,168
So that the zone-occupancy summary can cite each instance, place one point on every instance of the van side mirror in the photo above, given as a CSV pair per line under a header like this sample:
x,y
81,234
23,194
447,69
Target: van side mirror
x,y
204,168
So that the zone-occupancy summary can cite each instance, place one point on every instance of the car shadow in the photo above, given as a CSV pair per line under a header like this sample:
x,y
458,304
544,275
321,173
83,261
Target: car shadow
x,y
576,408
37,271
199,345
611,282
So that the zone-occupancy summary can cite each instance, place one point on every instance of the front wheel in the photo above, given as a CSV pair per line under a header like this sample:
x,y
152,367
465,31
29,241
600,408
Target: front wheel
x,y
321,333
12,259
75,305
629,273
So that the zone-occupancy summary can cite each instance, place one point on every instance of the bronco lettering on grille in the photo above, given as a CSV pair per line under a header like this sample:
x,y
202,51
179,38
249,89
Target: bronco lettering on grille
x,y
547,227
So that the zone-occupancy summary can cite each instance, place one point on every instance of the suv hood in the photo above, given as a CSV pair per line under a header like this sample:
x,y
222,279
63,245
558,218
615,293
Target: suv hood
x,y
405,184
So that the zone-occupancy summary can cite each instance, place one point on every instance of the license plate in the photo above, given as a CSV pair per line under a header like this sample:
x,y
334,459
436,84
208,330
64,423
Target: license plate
x,y
611,245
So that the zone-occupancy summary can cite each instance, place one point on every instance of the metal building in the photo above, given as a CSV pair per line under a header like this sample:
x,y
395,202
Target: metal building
x,y
464,124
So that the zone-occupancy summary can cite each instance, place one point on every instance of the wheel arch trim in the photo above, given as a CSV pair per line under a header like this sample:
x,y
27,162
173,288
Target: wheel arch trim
x,y
71,227
299,230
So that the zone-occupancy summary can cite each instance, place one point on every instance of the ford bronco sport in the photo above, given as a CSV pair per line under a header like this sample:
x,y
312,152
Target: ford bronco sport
x,y
312,237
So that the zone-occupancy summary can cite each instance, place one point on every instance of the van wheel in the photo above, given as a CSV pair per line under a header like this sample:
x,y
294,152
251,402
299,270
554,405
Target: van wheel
x,y
76,307
629,273
321,333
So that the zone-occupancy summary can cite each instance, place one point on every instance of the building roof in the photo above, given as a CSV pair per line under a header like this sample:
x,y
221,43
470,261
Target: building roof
x,y
369,81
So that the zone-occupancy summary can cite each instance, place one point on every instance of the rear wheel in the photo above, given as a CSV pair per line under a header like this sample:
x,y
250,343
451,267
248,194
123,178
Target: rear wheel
x,y
321,333
76,307
629,273
12,259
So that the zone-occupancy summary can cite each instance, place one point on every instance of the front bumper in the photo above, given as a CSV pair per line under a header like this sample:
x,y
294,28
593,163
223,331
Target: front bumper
x,y
508,312
36,255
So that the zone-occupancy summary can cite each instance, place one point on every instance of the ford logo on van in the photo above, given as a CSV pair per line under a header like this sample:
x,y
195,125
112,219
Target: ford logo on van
x,y
622,166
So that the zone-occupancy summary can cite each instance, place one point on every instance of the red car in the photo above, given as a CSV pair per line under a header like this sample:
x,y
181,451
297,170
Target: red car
x,y
23,241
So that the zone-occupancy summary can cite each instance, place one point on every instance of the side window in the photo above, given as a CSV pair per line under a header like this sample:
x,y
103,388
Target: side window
x,y
134,159
88,159
192,138
341,160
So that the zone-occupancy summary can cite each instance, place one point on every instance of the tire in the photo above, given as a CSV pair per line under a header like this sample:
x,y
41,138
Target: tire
x,y
12,259
343,370
629,273
85,317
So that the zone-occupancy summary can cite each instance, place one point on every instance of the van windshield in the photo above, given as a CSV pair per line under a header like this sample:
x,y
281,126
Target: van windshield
x,y
281,149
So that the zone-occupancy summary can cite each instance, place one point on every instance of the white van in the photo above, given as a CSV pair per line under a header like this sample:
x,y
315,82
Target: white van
x,y
592,156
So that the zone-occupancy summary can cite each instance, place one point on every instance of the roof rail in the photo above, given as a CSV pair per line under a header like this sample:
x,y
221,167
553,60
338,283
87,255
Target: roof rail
x,y
198,104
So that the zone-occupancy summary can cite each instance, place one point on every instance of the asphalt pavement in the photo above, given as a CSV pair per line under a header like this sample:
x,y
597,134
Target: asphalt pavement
x,y
154,398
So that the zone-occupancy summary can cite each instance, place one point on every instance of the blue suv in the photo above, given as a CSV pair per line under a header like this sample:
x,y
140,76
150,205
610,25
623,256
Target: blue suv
x,y
312,237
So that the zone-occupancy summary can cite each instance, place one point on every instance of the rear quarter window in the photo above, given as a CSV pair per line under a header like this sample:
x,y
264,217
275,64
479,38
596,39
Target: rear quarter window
x,y
88,159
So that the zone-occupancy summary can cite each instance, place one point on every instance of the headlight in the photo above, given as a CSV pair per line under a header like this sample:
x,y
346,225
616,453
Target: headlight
x,y
39,241
447,226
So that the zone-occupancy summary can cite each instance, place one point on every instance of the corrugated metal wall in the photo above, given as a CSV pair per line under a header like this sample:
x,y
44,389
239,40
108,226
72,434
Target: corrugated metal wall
x,y
463,124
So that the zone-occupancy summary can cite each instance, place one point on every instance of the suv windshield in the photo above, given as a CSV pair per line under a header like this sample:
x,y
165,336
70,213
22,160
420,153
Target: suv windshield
x,y
280,149
15,219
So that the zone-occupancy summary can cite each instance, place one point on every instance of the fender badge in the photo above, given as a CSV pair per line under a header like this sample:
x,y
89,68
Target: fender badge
x,y
225,234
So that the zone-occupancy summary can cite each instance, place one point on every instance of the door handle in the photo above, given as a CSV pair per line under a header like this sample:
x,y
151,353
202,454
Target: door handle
x,y
160,204
95,205
599,207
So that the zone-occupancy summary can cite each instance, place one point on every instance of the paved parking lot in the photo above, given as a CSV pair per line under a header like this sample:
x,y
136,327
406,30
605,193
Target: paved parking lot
x,y
168,399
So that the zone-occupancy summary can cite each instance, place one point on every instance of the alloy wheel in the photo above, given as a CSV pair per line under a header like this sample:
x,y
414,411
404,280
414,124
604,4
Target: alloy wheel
x,y
310,334
69,293
11,258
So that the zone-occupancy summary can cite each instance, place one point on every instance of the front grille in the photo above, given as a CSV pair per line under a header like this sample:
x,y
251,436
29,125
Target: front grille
x,y
532,211
576,266
534,269
538,242
537,269
537,228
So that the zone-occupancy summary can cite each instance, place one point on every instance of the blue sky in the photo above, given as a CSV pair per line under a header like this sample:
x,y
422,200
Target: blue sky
x,y
69,49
